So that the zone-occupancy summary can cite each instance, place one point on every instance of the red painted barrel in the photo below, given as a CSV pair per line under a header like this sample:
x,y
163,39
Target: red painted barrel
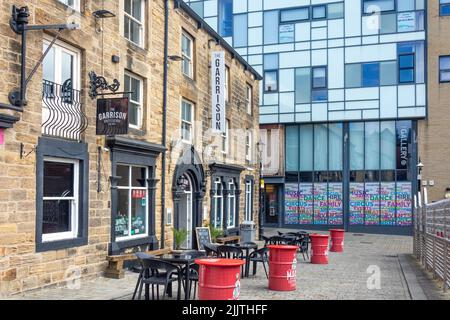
x,y
319,248
219,279
337,240
282,267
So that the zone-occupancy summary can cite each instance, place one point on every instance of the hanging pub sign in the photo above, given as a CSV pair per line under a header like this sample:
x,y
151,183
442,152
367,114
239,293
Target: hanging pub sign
x,y
218,79
404,144
112,116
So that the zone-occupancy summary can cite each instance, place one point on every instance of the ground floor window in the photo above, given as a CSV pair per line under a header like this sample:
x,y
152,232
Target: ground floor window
x,y
377,174
132,202
231,207
60,212
217,203
248,200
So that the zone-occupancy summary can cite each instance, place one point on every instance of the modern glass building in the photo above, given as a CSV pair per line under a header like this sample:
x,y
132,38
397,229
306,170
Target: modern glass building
x,y
344,86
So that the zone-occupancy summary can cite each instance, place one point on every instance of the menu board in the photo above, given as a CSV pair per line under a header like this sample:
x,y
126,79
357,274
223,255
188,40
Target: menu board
x,y
335,212
372,204
387,203
291,203
203,235
305,201
404,204
356,208
320,203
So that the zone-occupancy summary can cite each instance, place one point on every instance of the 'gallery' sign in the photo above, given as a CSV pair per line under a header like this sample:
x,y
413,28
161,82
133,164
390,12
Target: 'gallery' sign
x,y
218,91
112,116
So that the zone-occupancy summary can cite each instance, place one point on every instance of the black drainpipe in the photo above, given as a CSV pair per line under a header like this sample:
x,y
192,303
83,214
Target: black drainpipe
x,y
164,124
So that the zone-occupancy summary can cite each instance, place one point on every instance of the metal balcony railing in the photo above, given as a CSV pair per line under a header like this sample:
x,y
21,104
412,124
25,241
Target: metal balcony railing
x,y
62,113
432,239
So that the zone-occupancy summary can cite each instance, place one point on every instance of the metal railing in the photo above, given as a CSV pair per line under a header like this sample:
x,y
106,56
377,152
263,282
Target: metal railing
x,y
432,239
62,112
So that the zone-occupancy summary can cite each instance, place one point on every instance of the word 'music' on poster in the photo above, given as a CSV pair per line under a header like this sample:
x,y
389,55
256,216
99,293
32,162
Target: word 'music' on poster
x,y
218,79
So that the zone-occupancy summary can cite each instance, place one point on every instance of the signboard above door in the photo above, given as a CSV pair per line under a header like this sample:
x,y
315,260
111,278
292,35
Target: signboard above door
x,y
112,116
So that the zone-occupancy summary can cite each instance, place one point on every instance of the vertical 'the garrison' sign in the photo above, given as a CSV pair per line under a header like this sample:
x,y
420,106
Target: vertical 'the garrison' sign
x,y
218,91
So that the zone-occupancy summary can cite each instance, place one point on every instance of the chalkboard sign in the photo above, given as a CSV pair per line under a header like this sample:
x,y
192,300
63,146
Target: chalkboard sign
x,y
203,236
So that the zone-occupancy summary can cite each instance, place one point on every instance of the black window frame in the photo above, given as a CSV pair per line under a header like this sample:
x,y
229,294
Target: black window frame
x,y
318,6
413,68
277,80
56,148
320,88
440,70
281,21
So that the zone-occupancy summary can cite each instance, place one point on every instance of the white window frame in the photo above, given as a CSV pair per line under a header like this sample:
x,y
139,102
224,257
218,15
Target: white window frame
x,y
139,104
130,189
249,99
190,57
248,200
218,187
227,84
140,23
248,145
231,214
190,124
72,234
60,47
75,6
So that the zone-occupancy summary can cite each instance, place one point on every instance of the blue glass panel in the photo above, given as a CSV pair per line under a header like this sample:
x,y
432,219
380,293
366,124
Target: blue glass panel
x,y
240,25
271,61
226,18
445,10
406,61
406,75
371,74
271,27
320,95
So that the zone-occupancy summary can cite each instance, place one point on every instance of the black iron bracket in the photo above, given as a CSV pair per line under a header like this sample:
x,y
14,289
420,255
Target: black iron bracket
x,y
22,151
98,82
19,24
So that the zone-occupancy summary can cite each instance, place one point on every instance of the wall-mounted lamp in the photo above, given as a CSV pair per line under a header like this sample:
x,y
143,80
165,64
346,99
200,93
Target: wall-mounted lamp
x,y
101,14
175,58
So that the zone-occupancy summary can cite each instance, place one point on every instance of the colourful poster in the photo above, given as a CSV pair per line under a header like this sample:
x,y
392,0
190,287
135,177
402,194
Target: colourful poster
x,y
291,203
320,203
305,202
387,203
372,204
335,212
357,195
404,204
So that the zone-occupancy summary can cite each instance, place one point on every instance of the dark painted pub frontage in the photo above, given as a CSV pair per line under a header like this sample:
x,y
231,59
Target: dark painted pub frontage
x,y
359,176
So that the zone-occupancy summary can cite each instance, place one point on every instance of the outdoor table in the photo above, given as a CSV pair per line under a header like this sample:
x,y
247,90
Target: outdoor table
x,y
187,259
247,247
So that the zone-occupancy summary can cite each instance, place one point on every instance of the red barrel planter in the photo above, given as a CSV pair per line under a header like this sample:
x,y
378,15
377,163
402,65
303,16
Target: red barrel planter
x,y
319,248
337,240
282,267
219,279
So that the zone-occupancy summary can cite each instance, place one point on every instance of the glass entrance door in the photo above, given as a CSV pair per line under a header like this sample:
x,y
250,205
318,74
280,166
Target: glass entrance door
x,y
271,204
185,219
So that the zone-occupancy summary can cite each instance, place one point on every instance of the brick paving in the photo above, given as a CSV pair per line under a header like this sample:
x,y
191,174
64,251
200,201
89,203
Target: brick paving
x,y
345,277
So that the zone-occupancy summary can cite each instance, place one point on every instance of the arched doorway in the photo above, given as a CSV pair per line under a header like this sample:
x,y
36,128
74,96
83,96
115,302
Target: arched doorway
x,y
188,190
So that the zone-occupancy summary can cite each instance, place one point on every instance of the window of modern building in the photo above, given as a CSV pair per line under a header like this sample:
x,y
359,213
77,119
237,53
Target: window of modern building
x,y
388,73
248,200
303,85
406,67
374,6
198,8
388,23
444,69
353,75
133,201
286,33
135,85
187,52
225,18
370,74
271,81
417,50
60,199
249,99
292,149
217,217
298,14
319,12
319,84
270,27
187,120
248,145
231,205
134,21
406,5
271,61
240,39
444,7
335,10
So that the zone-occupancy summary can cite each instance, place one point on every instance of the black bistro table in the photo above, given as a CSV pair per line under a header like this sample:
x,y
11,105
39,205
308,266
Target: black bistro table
x,y
187,259
247,246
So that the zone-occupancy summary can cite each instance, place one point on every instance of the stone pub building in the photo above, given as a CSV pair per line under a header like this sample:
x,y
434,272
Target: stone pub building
x,y
69,197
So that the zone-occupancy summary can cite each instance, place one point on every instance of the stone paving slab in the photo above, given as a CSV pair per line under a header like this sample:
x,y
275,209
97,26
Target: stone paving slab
x,y
344,278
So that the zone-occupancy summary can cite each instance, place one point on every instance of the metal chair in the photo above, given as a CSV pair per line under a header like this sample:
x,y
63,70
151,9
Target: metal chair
x,y
261,256
266,240
140,256
159,273
210,249
230,252
193,276
280,240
